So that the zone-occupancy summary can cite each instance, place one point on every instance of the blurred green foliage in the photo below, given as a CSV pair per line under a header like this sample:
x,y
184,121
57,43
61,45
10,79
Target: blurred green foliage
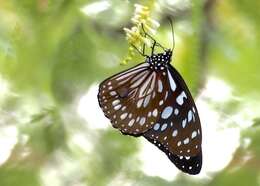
x,y
51,52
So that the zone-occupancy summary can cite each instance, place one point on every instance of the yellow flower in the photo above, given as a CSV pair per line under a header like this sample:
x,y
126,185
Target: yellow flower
x,y
135,35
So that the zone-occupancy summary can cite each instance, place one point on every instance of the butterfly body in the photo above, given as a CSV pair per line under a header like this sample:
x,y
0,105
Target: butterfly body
x,y
153,101
159,61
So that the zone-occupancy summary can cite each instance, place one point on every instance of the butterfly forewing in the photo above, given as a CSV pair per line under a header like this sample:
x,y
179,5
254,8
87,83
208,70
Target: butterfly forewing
x,y
127,99
178,127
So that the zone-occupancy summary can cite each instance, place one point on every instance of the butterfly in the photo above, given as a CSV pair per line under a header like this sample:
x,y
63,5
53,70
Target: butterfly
x,y
152,100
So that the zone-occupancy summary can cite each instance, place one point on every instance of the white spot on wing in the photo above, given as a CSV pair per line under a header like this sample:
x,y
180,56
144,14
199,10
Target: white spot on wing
x,y
123,116
194,134
139,103
156,126
193,109
174,133
167,112
117,107
172,82
180,98
176,111
153,94
155,112
160,86
146,100
131,122
190,115
184,122
115,102
164,126
142,121
166,95
112,93
186,141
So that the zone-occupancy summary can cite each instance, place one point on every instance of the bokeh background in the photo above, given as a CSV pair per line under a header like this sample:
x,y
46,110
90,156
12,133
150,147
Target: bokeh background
x,y
54,53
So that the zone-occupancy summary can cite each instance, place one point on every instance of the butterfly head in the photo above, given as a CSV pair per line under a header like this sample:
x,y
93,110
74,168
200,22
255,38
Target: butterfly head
x,y
160,60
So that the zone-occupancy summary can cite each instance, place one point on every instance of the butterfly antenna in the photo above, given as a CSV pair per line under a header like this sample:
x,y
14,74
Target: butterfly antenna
x,y
173,40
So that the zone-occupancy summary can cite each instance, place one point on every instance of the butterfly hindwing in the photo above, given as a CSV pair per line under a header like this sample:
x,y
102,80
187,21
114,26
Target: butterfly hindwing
x,y
178,129
187,164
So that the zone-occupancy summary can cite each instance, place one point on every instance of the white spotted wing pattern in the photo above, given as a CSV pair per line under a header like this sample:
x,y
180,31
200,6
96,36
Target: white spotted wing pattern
x,y
152,100
178,130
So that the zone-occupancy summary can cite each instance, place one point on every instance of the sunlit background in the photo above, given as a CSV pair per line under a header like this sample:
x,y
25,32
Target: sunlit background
x,y
53,55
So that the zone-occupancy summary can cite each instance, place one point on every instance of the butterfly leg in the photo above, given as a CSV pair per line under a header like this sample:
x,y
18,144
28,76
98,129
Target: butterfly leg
x,y
147,33
143,48
155,43
144,45
142,53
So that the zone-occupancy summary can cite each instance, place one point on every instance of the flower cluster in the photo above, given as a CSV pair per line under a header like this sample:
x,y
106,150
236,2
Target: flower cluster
x,y
135,35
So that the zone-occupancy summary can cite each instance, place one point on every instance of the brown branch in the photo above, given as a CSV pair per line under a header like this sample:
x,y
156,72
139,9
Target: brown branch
x,y
207,27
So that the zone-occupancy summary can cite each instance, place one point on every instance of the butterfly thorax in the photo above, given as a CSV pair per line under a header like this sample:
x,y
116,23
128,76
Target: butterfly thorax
x,y
159,61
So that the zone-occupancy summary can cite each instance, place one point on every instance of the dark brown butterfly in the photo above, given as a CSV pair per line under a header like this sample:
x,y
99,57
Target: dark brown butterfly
x,y
152,100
